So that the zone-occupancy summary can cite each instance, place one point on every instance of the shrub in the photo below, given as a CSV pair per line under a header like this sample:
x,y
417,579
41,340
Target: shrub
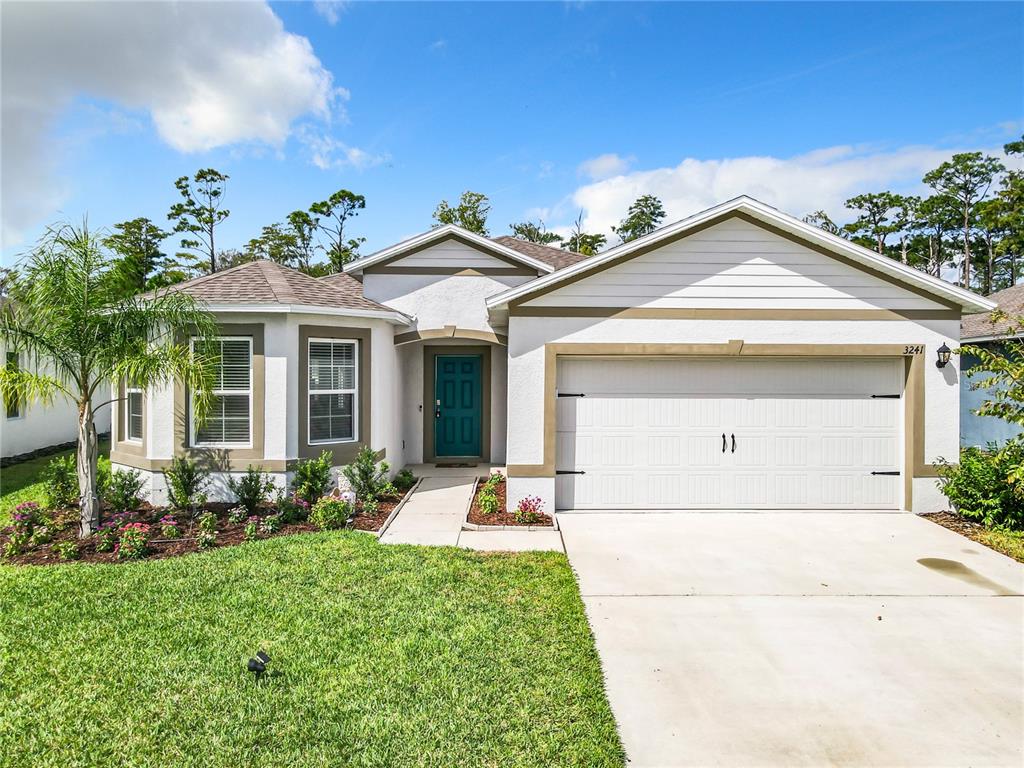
x,y
169,527
132,544
207,522
252,489
16,544
494,480
388,490
252,528
529,510
106,537
237,514
123,489
60,479
41,534
270,524
488,501
186,481
985,485
365,476
291,508
312,478
330,513
66,550
26,517
371,507
206,539
404,480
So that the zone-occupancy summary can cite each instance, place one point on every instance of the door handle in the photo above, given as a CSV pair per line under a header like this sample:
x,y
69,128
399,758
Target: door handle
x,y
734,443
723,442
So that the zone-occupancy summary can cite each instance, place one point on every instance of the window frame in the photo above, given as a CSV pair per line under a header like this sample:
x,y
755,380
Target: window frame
x,y
128,392
354,391
193,442
16,405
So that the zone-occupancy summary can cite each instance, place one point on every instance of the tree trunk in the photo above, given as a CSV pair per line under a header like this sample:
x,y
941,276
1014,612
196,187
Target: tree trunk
x,y
967,247
87,455
903,249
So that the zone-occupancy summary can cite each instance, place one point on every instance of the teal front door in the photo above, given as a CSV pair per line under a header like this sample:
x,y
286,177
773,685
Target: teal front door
x,y
458,413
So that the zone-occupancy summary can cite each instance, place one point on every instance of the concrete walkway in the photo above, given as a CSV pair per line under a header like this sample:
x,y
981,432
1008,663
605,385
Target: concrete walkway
x,y
803,639
437,508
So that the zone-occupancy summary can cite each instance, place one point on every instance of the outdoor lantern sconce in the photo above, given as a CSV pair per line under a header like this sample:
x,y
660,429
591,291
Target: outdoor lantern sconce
x,y
944,353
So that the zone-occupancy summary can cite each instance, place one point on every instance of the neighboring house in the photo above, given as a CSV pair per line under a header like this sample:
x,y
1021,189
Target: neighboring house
x,y
738,359
979,330
29,427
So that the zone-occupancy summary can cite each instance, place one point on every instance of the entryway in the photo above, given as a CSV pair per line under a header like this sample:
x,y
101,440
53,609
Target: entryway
x,y
456,404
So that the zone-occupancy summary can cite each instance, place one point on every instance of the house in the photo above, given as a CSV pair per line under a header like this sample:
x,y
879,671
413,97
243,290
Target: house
x,y
978,330
737,359
30,428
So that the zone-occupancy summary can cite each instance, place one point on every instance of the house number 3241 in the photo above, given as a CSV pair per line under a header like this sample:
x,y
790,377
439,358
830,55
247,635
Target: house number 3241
x,y
914,349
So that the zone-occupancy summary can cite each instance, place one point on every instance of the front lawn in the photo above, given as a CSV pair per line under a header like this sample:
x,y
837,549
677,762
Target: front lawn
x,y
383,656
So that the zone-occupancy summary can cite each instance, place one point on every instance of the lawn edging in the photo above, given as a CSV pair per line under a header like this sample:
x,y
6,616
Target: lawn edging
x,y
398,508
468,526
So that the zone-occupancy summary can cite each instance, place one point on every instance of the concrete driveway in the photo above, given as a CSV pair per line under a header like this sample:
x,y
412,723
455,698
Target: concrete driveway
x,y
784,639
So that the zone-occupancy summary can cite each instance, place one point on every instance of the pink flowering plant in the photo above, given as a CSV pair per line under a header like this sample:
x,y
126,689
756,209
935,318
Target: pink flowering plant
x,y
106,537
169,527
26,516
530,510
132,544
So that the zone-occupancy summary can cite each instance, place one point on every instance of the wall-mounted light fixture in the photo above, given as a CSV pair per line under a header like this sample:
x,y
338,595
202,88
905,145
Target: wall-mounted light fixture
x,y
944,353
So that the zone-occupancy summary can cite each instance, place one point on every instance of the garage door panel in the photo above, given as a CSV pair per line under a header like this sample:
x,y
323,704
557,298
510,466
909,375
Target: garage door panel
x,y
648,433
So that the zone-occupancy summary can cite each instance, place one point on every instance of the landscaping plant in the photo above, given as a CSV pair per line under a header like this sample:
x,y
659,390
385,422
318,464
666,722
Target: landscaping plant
x,y
252,528
292,509
17,543
66,550
252,489
132,543
365,477
488,500
206,539
331,513
404,480
106,537
186,481
529,510
270,524
237,514
78,331
60,482
207,522
312,478
986,485
123,490
169,527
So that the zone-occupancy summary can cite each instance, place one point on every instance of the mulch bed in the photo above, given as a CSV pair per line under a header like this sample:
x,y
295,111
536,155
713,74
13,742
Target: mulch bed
x,y
972,530
502,517
228,533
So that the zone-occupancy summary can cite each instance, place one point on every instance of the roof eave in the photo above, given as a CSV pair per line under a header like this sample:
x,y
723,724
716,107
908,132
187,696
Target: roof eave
x,y
391,315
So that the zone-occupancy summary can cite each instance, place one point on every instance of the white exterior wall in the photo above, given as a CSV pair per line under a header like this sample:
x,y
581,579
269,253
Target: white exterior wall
x,y
528,335
40,426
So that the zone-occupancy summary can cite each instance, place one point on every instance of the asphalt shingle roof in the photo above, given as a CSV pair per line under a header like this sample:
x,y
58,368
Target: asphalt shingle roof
x,y
267,282
556,257
1010,301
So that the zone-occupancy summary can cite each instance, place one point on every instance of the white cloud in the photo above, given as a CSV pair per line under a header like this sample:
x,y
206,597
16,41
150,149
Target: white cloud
x,y
207,74
438,45
604,166
326,152
331,10
821,179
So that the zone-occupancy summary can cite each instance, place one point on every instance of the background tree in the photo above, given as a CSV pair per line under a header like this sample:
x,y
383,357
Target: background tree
x,y
874,221
534,233
199,213
303,228
68,314
822,220
966,178
582,242
334,213
937,217
643,217
471,213
142,264
274,243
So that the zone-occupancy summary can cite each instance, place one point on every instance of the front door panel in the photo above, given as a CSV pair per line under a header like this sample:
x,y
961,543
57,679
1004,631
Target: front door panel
x,y
458,412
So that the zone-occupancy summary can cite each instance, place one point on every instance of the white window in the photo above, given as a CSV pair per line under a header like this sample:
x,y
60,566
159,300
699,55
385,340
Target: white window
x,y
12,407
133,414
229,421
333,390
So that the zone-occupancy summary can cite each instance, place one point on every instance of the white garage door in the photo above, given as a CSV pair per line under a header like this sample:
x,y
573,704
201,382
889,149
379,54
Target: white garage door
x,y
756,433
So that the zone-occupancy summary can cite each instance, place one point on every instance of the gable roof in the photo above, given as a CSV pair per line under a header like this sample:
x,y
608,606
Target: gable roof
x,y
771,218
264,284
980,326
449,232
558,258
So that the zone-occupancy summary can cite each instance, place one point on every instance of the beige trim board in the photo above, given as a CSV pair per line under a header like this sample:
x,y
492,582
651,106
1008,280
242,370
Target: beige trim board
x,y
454,271
430,355
914,389
671,313
450,332
493,252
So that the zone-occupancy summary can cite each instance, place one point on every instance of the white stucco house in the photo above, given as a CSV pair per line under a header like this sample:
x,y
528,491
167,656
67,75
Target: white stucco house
x,y
737,359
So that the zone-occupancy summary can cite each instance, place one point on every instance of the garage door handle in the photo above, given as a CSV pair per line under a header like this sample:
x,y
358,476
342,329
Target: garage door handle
x,y
734,443
724,443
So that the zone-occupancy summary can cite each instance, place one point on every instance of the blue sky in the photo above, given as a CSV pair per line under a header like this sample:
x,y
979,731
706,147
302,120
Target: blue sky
x,y
548,108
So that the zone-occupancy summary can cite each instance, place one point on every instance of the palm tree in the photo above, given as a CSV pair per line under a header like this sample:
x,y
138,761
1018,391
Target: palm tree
x,y
77,333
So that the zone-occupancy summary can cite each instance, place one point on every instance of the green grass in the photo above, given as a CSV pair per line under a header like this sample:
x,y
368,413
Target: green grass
x,y
20,482
387,656
1010,543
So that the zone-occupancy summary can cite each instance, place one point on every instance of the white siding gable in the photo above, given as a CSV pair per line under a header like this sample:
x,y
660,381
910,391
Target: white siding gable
x,y
732,265
451,253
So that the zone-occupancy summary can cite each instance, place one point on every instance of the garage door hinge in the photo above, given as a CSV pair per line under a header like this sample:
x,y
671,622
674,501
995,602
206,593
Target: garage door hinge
x,y
569,472
885,473
885,397
571,394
